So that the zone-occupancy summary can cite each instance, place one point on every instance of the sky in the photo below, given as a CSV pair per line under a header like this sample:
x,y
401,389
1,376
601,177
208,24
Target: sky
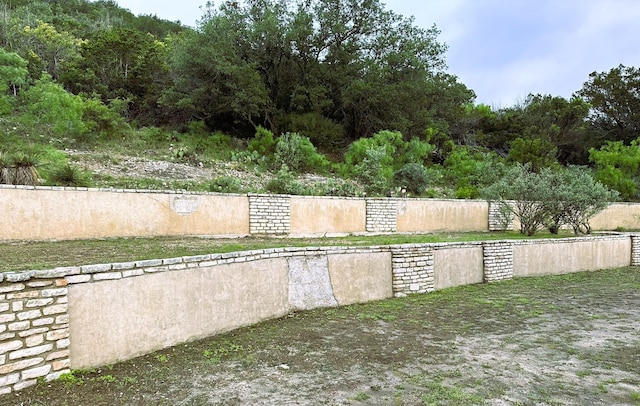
x,y
503,49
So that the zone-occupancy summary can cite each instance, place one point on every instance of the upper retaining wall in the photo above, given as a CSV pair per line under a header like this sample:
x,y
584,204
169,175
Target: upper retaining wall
x,y
44,213
87,316
617,215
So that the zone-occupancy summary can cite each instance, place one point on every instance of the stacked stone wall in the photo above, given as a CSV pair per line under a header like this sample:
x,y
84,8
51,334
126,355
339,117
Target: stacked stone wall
x,y
413,270
269,214
381,215
635,250
34,330
499,218
498,260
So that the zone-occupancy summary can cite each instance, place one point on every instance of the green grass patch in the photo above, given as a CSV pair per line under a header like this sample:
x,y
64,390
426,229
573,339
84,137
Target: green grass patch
x,y
26,255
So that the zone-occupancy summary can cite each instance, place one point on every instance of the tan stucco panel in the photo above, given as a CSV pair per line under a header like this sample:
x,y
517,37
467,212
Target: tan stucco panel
x,y
121,319
626,215
423,215
571,256
457,266
54,214
358,278
326,216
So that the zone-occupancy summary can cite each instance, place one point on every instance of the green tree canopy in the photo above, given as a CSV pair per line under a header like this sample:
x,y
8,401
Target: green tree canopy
x,y
352,62
615,100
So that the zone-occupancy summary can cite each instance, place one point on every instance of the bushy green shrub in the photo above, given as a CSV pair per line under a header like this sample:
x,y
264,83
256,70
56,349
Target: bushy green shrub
x,y
248,157
550,198
263,143
468,171
412,177
387,142
393,153
47,103
101,121
617,166
285,183
299,154
323,132
225,184
375,176
216,146
332,187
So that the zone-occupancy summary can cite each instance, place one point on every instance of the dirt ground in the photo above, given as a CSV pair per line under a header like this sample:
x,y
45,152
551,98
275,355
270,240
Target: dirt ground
x,y
564,340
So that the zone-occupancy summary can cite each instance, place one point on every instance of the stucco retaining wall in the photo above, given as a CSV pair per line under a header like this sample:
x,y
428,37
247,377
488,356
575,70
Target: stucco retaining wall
x,y
327,215
87,316
618,215
45,213
416,215
552,257
70,213
458,265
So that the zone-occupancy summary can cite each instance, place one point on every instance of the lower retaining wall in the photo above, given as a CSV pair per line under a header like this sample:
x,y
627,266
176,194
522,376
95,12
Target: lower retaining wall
x,y
87,316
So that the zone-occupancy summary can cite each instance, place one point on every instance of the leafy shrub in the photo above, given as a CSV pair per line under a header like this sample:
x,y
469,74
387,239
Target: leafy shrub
x,y
372,172
101,120
386,142
183,153
323,132
537,152
299,154
224,184
470,170
416,151
47,103
412,177
218,146
249,157
286,183
338,188
617,166
263,143
550,198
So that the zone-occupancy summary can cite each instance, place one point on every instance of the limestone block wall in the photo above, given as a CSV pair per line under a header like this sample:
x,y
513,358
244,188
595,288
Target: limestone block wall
x,y
269,214
498,260
34,330
80,317
635,249
499,220
381,215
413,269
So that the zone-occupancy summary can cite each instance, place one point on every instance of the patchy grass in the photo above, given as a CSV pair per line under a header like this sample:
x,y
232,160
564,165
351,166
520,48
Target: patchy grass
x,y
26,255
524,341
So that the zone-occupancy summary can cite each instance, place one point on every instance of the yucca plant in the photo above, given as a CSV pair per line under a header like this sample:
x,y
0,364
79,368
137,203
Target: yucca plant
x,y
24,168
70,175
6,165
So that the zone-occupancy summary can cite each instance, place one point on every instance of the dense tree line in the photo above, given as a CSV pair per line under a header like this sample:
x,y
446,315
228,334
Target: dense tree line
x,y
335,71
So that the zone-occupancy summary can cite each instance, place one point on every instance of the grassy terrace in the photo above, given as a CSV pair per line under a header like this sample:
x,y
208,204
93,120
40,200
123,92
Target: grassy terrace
x,y
26,255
